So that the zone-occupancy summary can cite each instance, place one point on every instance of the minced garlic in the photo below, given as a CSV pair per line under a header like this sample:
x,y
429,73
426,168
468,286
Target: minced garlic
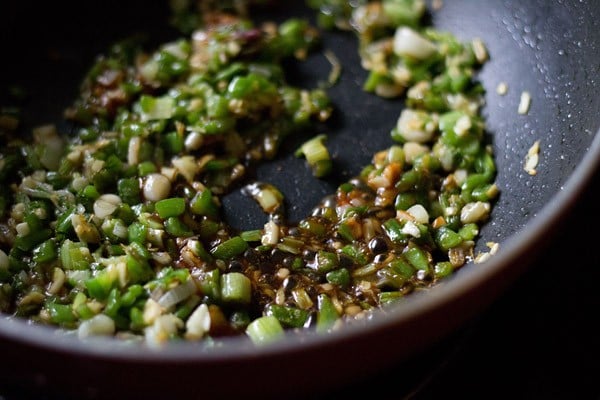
x,y
532,158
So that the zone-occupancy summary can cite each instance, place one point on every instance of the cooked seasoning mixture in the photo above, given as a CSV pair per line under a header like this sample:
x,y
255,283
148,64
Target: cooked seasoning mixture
x,y
117,230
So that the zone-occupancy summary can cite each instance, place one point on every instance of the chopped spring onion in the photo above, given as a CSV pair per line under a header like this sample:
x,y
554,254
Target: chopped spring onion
x,y
409,43
236,287
265,330
317,155
268,196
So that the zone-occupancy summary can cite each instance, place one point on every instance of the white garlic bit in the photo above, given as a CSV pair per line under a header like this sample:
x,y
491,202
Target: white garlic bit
x,y
156,187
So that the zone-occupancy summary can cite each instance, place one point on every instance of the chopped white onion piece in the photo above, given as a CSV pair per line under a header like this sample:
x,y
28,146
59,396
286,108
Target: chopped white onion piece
x,y
502,88
445,155
401,75
194,141
22,229
162,328
460,102
58,280
271,235
152,310
162,257
482,257
410,228
177,294
411,125
379,181
198,323
149,70
117,270
18,211
460,175
120,230
170,173
133,150
419,213
494,247
408,42
156,187
462,126
100,324
156,236
79,182
412,150
187,167
450,211
266,195
96,166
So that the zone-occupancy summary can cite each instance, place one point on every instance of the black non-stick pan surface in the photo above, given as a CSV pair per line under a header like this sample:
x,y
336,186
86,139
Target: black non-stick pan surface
x,y
549,48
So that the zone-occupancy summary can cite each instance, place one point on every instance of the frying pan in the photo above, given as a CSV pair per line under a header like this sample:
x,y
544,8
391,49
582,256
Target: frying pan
x,y
549,48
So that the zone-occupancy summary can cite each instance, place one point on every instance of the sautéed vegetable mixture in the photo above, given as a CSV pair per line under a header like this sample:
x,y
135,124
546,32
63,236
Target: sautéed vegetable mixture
x,y
117,230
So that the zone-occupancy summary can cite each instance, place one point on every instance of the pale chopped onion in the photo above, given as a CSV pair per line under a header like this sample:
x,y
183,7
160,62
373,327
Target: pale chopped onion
x,y
408,42
106,204
419,213
163,327
271,235
177,294
474,212
152,310
198,324
97,325
410,228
